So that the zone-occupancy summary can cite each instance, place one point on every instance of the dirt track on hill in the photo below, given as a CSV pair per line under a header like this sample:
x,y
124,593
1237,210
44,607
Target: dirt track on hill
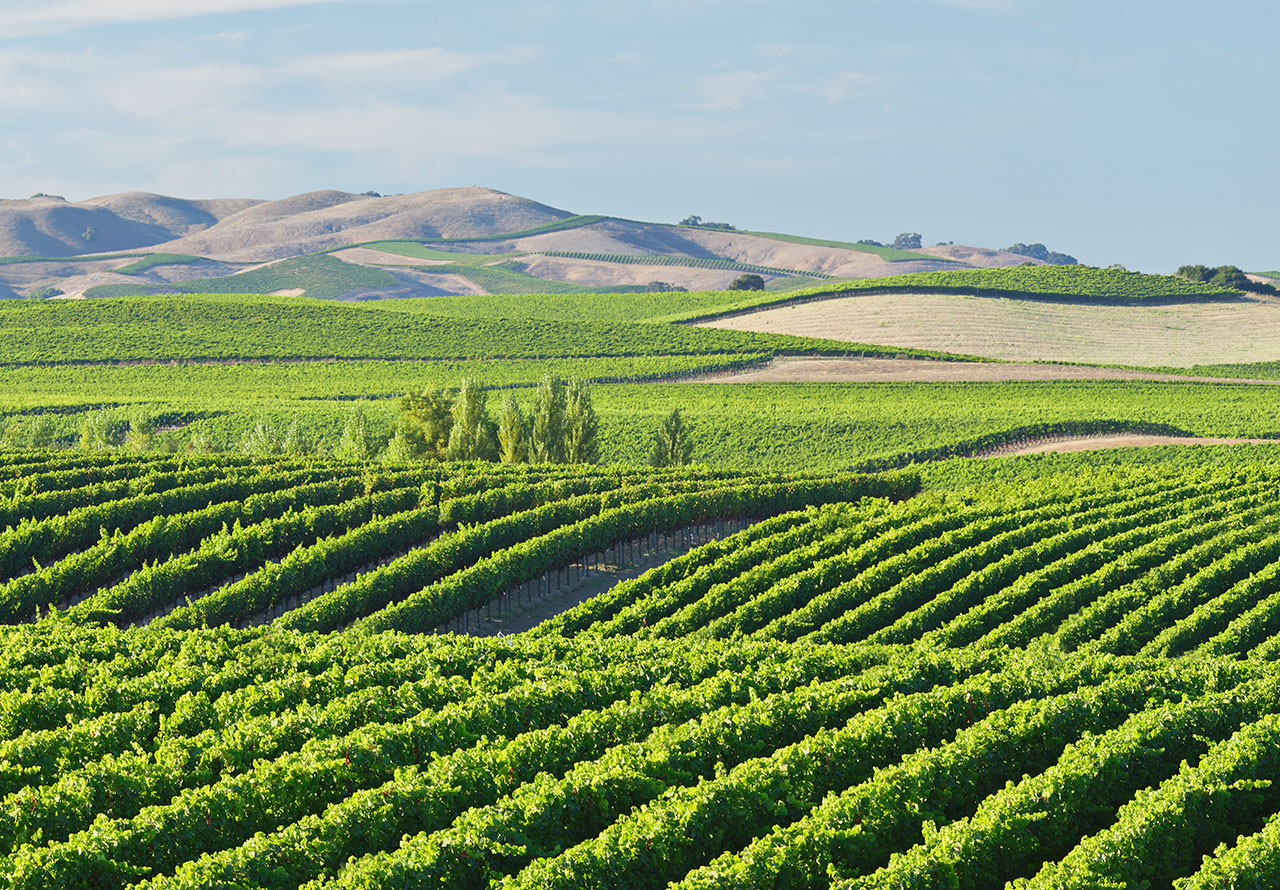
x,y
797,369
1097,443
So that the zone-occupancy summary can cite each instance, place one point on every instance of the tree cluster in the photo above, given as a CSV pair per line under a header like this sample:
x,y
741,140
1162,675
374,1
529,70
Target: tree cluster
x,y
748,281
1225,276
698,223
561,426
1040,252
904,241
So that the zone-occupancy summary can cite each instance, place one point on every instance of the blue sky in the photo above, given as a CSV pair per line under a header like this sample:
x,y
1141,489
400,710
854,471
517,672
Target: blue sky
x,y
1139,133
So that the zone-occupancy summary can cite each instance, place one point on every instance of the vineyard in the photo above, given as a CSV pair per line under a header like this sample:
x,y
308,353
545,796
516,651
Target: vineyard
x,y
693,262
1074,284
234,327
222,673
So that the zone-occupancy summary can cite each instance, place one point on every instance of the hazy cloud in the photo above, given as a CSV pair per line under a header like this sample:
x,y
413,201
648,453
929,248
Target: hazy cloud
x,y
729,90
28,17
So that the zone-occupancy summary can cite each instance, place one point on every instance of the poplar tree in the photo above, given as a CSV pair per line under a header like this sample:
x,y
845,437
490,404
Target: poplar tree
x,y
546,440
672,445
581,428
473,435
142,429
512,436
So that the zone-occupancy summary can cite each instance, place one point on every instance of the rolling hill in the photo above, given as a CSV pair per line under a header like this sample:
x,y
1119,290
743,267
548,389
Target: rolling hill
x,y
445,241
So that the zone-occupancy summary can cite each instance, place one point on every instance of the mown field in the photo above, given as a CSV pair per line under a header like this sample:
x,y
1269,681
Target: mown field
x,y
267,676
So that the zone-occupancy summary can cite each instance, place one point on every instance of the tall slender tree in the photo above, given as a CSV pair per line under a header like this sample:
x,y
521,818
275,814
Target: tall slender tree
x,y
672,444
473,436
546,439
512,435
581,428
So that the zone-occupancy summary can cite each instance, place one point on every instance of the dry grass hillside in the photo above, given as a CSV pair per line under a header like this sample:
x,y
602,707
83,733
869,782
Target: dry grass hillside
x,y
1178,335
217,238
327,219
56,228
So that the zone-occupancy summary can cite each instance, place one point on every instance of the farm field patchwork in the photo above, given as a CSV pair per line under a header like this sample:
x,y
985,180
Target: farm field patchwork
x,y
836,652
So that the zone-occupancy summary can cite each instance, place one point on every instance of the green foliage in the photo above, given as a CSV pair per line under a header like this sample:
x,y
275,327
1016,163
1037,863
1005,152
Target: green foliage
x,y
748,281
473,435
214,327
687,261
357,443
426,422
546,434
319,275
262,439
513,431
581,427
888,254
1083,284
151,260
832,681
1040,252
100,432
672,443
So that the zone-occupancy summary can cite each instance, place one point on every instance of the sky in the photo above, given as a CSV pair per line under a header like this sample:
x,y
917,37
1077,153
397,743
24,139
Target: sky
x,y
1140,133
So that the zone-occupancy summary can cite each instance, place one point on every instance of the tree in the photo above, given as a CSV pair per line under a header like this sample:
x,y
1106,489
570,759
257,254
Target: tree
x,y
399,450
672,445
98,432
262,439
691,221
90,234
357,442
40,432
1038,251
749,281
513,437
907,241
581,428
426,420
473,435
546,439
296,442
142,429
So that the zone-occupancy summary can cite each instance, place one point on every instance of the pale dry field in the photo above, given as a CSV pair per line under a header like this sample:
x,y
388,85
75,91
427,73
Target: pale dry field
x,y
804,369
1096,443
1025,330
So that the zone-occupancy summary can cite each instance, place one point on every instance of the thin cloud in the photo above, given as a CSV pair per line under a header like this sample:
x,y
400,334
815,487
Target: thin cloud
x,y
44,17
730,90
